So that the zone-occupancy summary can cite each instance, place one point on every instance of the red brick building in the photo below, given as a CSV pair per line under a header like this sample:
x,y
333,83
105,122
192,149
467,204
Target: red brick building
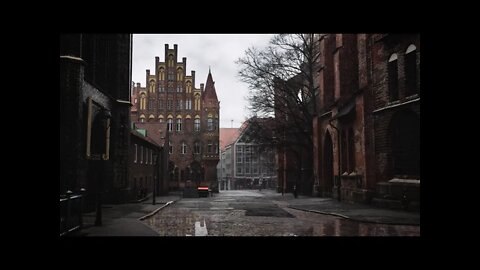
x,y
191,116
367,127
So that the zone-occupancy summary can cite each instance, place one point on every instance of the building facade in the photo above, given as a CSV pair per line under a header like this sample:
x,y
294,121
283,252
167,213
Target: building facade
x,y
191,116
95,76
248,164
367,129
145,161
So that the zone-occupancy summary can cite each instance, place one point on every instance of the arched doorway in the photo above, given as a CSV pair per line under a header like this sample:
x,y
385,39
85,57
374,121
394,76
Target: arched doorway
x,y
405,144
328,165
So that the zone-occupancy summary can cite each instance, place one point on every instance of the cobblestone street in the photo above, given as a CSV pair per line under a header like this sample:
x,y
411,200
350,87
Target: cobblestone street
x,y
260,213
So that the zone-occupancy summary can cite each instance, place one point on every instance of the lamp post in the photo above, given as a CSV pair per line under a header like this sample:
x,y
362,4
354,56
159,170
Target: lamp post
x,y
155,174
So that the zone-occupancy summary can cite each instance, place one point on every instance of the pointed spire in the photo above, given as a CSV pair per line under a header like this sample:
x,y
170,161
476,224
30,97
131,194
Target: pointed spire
x,y
210,87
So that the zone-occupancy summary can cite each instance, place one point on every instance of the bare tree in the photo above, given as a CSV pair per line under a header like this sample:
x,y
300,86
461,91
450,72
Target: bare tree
x,y
281,79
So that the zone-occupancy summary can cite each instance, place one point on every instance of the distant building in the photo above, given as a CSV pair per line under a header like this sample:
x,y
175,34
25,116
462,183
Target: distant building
x,y
191,115
248,164
225,166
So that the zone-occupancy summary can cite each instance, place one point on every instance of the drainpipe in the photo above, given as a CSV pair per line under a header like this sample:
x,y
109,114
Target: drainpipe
x,y
339,159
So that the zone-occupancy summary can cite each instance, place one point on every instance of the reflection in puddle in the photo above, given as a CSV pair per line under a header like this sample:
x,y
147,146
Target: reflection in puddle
x,y
344,227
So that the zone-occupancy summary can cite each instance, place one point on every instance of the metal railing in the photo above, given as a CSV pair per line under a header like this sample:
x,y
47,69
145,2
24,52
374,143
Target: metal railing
x,y
71,207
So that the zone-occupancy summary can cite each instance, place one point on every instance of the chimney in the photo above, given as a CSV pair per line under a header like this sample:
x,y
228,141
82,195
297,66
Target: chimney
x,y
201,86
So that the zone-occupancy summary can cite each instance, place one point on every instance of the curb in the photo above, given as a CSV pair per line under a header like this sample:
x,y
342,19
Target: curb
x,y
156,210
350,218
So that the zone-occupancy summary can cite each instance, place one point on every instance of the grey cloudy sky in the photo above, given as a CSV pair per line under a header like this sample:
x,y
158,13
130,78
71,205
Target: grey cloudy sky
x,y
219,51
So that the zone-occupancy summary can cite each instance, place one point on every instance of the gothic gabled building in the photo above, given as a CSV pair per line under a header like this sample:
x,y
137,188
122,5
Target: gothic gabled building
x,y
191,115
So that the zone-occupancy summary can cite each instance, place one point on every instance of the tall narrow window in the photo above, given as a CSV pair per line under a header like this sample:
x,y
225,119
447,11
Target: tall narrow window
x,y
142,102
170,60
179,74
170,125
210,123
197,124
197,102
169,104
160,104
179,124
196,148
209,147
393,77
170,147
336,74
184,148
152,86
162,73
189,86
188,104
411,70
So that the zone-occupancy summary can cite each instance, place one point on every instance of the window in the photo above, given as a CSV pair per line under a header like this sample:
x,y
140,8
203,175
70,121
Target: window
x,y
197,124
196,148
170,148
188,104
142,102
170,125
179,88
179,124
161,88
160,118
411,70
189,86
210,123
169,104
135,156
209,147
239,170
161,71
160,104
179,104
336,74
239,158
152,86
393,77
197,102
215,147
184,148
239,149
179,74
141,154
247,158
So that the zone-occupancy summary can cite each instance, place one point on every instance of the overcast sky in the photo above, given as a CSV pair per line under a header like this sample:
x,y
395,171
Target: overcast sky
x,y
218,51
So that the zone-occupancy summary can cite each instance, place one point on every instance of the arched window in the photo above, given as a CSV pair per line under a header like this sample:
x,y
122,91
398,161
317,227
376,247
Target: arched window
x,y
160,118
152,86
411,70
142,118
189,86
210,122
151,117
170,124
197,123
179,123
393,77
179,74
142,102
161,72
197,102
188,104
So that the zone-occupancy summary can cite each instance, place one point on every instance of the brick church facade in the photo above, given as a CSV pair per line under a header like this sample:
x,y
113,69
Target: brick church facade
x,y
171,109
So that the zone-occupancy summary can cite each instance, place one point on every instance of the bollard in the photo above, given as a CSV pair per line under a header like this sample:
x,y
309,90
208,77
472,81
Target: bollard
x,y
67,216
82,195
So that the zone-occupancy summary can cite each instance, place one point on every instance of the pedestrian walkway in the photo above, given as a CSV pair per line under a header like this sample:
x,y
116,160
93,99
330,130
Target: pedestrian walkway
x,y
357,212
125,219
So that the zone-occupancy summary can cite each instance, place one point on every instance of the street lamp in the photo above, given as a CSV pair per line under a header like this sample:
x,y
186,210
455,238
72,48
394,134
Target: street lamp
x,y
155,174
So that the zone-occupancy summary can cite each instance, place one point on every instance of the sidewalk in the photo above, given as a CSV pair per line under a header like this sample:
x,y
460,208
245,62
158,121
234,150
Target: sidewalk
x,y
125,219
357,212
